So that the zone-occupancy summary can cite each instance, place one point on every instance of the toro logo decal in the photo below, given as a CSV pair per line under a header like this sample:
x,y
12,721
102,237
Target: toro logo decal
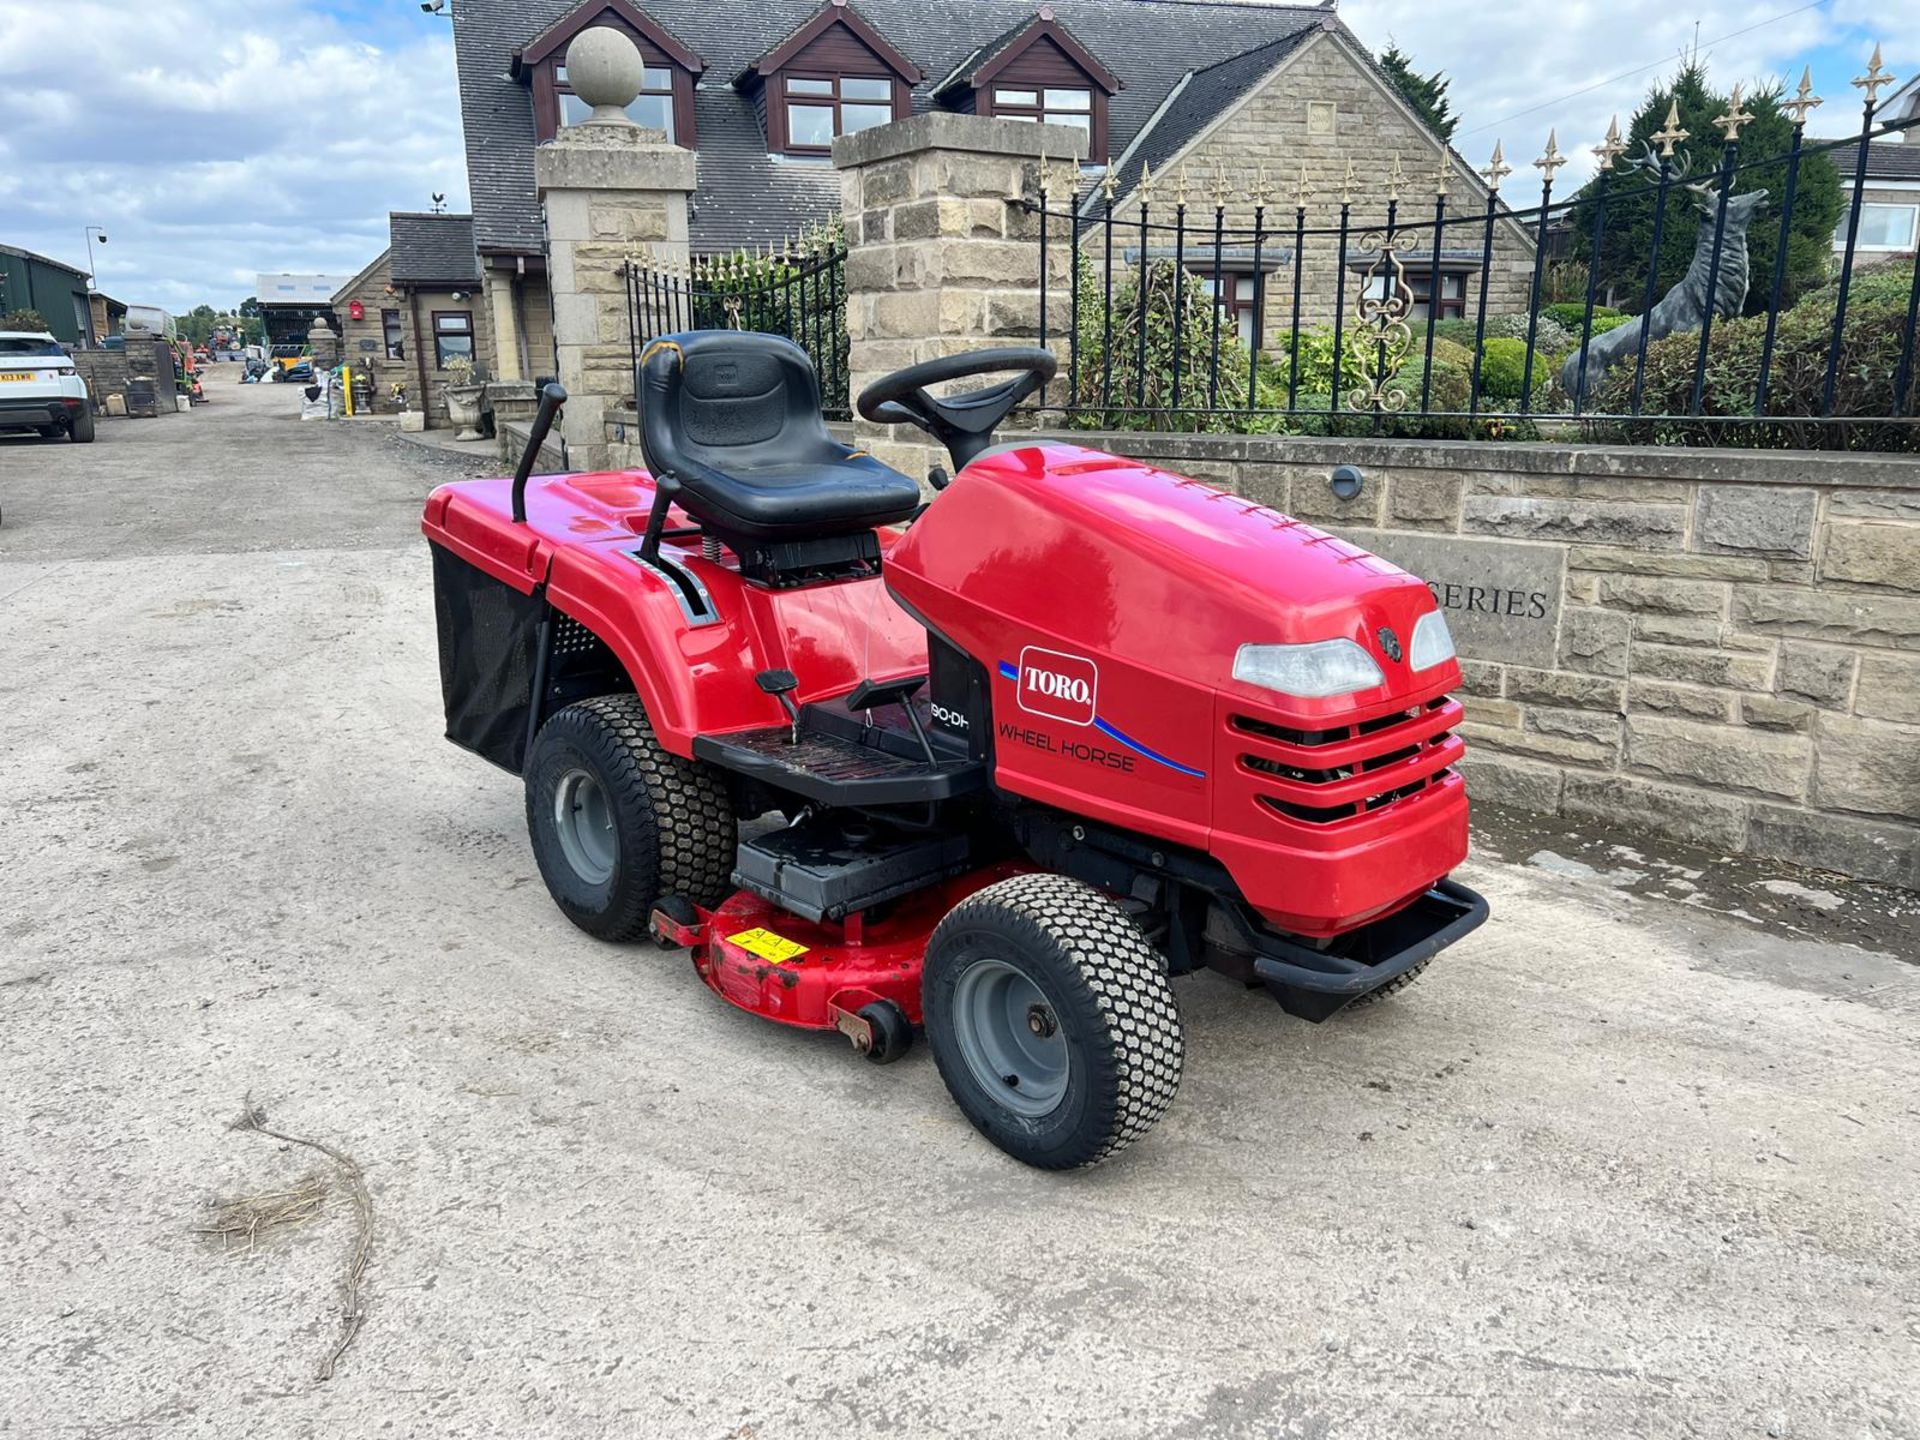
x,y
1060,687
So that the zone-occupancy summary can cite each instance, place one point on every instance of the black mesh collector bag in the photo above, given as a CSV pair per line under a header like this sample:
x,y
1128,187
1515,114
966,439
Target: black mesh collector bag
x,y
488,640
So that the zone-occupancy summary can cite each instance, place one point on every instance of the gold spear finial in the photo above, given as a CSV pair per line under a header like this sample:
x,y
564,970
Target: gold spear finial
x,y
1220,190
1262,188
1303,192
1612,148
1183,193
1396,177
1876,76
1046,178
1346,184
1804,101
1731,123
1109,183
1146,184
1442,174
1673,134
1497,169
1552,160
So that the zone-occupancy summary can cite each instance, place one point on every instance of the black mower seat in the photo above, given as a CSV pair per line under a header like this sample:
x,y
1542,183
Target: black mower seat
x,y
734,417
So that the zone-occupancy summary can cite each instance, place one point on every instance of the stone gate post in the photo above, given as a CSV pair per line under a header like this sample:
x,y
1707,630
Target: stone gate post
x,y
938,261
612,191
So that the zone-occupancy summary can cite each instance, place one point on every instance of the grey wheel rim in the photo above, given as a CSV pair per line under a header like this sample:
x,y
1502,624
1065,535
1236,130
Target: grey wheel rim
x,y
1009,1035
584,822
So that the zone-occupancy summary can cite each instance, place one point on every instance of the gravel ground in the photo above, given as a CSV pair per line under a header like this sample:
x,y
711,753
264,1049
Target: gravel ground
x,y
1629,1162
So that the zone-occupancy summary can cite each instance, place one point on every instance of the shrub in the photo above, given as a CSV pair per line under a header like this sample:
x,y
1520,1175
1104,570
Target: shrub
x,y
1875,329
1572,317
1548,334
30,320
1503,365
1167,294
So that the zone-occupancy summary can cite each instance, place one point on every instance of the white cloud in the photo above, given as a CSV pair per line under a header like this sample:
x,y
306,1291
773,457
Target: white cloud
x,y
216,139
1516,69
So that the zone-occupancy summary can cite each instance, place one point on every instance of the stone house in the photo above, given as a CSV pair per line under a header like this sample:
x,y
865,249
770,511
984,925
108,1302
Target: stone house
x,y
760,93
1305,120
415,308
1889,200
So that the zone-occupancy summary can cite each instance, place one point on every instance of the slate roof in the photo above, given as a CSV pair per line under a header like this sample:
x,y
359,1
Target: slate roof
x,y
1886,160
1197,98
747,197
433,249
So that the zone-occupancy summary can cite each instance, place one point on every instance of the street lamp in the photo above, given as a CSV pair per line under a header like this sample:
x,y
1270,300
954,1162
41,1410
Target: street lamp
x,y
93,232
93,287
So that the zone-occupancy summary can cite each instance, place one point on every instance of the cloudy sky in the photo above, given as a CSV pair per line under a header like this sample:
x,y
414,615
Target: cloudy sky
x,y
217,139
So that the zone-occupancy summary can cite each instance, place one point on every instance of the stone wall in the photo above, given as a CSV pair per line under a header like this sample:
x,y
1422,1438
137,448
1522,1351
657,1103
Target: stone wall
x,y
105,372
1722,646
1277,132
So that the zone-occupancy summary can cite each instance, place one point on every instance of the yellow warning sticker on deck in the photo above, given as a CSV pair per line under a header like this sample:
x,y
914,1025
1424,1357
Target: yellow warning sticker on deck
x,y
774,949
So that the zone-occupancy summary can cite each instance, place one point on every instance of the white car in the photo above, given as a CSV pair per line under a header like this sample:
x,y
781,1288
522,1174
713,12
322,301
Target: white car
x,y
41,389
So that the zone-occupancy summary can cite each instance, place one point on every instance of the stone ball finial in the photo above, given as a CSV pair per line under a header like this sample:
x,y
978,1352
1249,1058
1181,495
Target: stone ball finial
x,y
605,70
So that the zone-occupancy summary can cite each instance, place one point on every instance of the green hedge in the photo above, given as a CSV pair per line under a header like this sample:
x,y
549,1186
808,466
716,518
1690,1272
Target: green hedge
x,y
1876,326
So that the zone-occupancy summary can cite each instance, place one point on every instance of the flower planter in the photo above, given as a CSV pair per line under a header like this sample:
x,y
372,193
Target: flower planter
x,y
463,410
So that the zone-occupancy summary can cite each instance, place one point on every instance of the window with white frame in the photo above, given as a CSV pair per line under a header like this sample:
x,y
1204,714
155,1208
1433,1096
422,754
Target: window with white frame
x,y
1882,227
820,107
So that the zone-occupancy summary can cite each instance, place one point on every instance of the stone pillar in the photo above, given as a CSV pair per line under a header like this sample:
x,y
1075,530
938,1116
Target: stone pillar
x,y
324,344
506,326
938,261
612,191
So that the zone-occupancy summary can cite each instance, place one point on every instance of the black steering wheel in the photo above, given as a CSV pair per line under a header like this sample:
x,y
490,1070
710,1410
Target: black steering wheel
x,y
963,423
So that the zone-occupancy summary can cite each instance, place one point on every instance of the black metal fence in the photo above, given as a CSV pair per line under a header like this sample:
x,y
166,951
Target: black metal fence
x,y
798,291
1176,315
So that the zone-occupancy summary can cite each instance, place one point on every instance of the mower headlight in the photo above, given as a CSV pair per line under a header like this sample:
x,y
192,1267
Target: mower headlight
x,y
1432,642
1312,672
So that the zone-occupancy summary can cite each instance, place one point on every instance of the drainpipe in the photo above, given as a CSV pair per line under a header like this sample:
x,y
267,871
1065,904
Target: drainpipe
x,y
420,355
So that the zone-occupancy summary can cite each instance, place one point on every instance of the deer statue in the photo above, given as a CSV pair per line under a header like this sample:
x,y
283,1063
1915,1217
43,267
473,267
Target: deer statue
x,y
1684,307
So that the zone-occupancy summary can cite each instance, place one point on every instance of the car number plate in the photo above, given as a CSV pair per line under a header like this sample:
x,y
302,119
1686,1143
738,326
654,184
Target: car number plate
x,y
774,949
17,375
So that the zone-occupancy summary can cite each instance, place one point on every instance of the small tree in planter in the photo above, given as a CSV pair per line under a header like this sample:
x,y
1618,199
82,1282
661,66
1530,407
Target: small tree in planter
x,y
463,398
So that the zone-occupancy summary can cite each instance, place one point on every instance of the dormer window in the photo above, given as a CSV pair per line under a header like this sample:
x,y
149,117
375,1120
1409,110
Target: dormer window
x,y
653,108
1045,105
666,93
820,107
1036,72
835,75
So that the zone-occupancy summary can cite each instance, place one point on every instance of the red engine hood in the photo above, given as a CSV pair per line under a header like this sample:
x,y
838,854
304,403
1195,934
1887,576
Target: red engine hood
x,y
1140,565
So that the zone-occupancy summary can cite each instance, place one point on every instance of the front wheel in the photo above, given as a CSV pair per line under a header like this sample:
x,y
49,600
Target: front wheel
x,y
1052,1021
618,822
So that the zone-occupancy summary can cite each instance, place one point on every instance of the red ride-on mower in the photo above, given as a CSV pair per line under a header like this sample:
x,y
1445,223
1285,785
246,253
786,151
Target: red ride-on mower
x,y
1075,726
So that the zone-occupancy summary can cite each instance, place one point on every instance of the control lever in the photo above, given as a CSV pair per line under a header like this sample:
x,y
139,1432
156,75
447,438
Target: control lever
x,y
780,684
552,397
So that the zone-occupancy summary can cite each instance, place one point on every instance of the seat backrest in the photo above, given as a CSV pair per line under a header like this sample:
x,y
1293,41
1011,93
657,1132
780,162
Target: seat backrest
x,y
726,399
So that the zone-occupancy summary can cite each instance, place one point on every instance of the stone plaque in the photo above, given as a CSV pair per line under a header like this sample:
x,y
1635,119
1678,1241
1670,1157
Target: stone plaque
x,y
1502,597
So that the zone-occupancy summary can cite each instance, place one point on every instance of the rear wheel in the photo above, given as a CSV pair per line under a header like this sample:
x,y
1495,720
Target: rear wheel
x,y
1052,1021
617,822
82,431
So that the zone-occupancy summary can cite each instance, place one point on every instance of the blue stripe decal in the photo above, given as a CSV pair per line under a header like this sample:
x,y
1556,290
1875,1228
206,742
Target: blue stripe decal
x,y
1012,672
1105,729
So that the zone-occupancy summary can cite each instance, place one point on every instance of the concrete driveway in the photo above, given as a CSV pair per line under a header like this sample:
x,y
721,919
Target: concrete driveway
x,y
1625,1164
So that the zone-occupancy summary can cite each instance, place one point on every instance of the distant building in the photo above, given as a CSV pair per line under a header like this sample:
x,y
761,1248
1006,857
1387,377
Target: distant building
x,y
56,290
1890,194
290,304
414,310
